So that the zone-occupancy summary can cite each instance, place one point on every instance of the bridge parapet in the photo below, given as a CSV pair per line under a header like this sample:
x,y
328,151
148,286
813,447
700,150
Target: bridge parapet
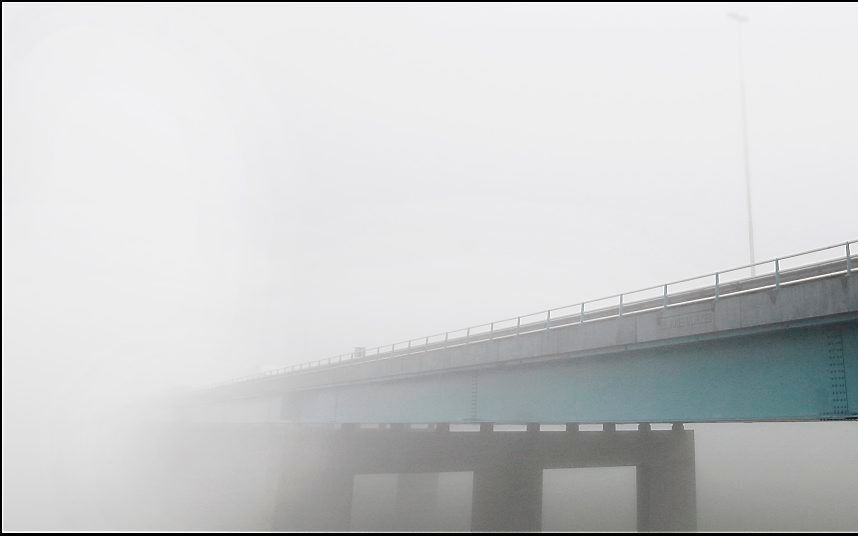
x,y
708,287
766,343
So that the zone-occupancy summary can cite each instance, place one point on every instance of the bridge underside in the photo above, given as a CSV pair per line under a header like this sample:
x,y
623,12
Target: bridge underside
x,y
795,372
316,491
787,353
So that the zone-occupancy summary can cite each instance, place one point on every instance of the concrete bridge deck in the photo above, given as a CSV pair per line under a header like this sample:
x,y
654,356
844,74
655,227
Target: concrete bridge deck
x,y
780,346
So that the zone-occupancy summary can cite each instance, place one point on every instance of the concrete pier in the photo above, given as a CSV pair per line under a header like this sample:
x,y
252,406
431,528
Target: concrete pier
x,y
507,468
666,490
507,497
315,492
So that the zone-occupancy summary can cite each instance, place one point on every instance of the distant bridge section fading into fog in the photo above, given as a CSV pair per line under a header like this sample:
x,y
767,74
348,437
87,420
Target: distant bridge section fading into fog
x,y
780,346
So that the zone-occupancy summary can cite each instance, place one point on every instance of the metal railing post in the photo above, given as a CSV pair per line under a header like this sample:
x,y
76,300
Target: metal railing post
x,y
777,273
683,296
717,286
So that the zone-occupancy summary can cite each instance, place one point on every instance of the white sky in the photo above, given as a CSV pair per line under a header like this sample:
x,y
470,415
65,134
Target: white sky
x,y
193,193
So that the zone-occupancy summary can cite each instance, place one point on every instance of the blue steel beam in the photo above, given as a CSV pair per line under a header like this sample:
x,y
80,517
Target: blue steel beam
x,y
777,347
804,371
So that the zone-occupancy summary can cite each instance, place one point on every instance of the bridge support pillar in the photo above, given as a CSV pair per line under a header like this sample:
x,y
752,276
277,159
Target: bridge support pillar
x,y
666,491
507,496
315,492
317,484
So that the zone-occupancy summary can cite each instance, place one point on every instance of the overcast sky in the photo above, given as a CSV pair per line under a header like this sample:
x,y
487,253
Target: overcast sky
x,y
195,193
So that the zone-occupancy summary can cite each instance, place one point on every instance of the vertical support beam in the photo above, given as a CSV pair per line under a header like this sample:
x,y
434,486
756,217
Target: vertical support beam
x,y
838,394
315,491
717,286
507,496
666,492
507,485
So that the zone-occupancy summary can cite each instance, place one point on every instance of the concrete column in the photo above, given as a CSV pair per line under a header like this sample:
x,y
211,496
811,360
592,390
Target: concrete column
x,y
507,497
315,491
417,502
666,492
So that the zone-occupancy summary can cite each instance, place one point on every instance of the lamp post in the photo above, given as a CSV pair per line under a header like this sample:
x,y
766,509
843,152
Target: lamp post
x,y
739,21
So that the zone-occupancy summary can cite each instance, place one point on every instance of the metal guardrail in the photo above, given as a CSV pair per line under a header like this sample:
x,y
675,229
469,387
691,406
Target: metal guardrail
x,y
717,285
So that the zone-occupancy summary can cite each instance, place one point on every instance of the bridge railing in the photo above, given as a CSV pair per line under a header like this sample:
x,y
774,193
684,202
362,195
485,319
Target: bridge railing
x,y
820,262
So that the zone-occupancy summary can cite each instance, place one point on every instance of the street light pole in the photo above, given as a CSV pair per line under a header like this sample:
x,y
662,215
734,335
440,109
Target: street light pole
x,y
739,21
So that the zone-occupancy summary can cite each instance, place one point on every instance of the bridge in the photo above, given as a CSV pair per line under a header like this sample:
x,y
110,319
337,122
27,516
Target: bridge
x,y
780,344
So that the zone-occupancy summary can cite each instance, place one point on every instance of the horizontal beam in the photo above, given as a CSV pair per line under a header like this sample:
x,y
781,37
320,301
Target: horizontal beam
x,y
791,374
787,353
767,309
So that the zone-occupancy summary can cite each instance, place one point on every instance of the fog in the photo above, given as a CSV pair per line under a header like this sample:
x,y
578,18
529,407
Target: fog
x,y
196,193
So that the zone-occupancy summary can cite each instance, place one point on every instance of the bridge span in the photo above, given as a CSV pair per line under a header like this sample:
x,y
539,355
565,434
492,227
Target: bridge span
x,y
723,347
778,346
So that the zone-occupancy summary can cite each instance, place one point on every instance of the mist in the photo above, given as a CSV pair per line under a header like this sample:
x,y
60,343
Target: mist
x,y
194,193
